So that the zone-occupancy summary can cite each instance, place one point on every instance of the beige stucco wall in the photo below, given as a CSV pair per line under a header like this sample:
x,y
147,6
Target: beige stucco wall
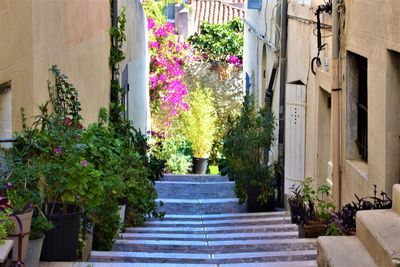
x,y
371,38
301,48
71,34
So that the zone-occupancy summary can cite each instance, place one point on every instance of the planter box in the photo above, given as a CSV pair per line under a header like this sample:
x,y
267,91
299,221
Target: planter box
x,y
34,251
253,205
20,237
61,242
312,229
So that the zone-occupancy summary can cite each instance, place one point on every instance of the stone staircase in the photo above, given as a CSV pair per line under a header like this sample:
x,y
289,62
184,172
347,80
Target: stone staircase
x,y
377,241
205,226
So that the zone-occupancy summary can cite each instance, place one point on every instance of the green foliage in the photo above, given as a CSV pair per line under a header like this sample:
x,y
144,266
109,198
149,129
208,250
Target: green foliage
x,y
40,224
177,154
218,41
155,10
199,122
5,224
317,203
243,148
118,37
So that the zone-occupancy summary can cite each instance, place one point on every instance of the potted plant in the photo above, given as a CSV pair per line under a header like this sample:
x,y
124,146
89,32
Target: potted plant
x,y
40,225
316,213
243,148
69,183
296,203
6,213
21,199
200,126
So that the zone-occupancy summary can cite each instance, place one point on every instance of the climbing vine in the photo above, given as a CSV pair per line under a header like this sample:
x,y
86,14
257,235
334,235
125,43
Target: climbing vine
x,y
118,37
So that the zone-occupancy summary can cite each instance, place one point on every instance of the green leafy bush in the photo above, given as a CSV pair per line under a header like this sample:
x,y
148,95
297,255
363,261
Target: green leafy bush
x,y
243,149
199,122
217,42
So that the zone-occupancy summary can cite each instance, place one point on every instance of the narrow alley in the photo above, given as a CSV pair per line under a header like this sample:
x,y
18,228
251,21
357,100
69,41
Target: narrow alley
x,y
204,226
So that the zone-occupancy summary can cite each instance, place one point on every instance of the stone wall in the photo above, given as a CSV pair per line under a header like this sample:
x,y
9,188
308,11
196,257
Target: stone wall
x,y
225,80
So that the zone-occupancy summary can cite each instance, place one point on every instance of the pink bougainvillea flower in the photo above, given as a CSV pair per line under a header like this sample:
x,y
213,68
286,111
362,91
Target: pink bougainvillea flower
x,y
150,23
84,163
57,150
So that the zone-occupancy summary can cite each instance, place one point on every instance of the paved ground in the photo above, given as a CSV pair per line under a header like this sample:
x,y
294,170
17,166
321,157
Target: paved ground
x,y
205,226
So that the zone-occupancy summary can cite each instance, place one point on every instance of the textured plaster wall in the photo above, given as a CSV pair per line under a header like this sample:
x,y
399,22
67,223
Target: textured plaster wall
x,y
71,34
372,38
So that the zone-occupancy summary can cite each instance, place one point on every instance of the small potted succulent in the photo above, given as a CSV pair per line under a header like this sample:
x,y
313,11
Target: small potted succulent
x,y
200,126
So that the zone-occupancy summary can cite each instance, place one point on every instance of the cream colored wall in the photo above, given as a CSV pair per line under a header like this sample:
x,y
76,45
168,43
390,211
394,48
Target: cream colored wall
x,y
372,27
71,34
302,47
16,55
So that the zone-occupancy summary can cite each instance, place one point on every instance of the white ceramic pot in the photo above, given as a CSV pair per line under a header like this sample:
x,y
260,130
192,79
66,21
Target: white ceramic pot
x,y
20,244
34,250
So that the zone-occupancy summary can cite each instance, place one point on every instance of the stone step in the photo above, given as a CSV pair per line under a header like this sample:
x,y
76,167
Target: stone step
x,y
214,229
206,223
230,206
209,247
195,190
120,264
208,237
290,258
343,251
379,231
396,198
194,178
199,217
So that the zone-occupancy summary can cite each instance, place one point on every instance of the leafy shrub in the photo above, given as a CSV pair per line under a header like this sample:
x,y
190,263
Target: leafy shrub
x,y
220,42
199,122
243,149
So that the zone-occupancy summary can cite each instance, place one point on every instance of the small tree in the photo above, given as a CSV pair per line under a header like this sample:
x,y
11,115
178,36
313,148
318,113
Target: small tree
x,y
200,121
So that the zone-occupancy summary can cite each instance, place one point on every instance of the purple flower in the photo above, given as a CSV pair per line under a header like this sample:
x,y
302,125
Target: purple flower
x,y
84,163
9,185
57,150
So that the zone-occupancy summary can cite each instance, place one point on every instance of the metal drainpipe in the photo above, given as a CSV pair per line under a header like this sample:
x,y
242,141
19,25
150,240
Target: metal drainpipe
x,y
282,93
336,106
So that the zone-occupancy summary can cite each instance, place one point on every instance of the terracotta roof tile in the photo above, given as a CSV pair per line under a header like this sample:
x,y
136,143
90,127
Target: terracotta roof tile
x,y
216,11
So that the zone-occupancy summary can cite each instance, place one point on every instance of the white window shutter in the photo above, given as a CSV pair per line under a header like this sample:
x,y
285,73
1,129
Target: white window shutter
x,y
295,122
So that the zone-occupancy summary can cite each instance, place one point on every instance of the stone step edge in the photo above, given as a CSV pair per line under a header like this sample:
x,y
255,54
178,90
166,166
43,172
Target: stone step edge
x,y
225,243
226,215
209,229
153,264
198,256
222,221
160,236
197,201
342,251
194,183
379,231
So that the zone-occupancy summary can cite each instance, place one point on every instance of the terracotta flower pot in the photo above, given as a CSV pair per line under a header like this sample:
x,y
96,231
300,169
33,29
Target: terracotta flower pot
x,y
19,237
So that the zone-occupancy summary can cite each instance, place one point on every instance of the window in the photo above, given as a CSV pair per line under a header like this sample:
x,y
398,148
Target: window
x,y
5,112
357,107
170,11
362,108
